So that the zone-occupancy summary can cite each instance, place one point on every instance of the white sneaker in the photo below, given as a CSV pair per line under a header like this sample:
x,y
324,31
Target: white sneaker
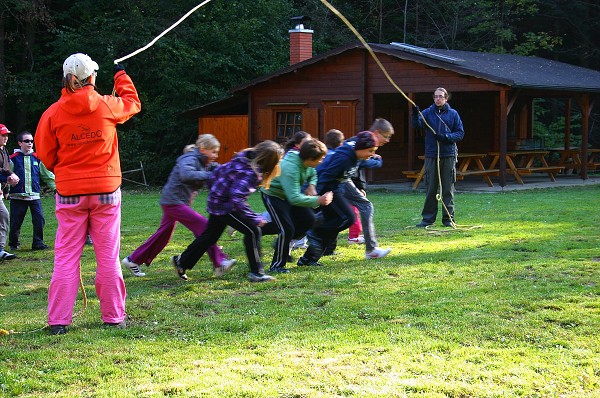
x,y
224,267
299,244
260,277
230,231
377,253
356,241
4,255
133,267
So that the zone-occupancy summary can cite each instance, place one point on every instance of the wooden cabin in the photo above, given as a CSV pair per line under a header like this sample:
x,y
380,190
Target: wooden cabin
x,y
346,89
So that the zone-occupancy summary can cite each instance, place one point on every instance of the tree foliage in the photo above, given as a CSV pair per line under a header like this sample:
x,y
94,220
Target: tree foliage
x,y
227,43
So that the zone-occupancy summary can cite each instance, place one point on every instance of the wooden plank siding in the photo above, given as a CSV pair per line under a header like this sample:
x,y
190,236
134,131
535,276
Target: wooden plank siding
x,y
231,131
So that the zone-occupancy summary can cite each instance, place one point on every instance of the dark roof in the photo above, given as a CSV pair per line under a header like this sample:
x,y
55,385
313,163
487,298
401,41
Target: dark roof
x,y
512,70
235,104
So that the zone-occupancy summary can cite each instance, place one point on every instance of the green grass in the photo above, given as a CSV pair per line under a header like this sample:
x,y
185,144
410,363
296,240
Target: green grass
x,y
510,309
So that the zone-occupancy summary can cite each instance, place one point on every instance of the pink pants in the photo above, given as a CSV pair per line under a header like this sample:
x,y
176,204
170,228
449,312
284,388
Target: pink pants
x,y
100,216
356,228
192,220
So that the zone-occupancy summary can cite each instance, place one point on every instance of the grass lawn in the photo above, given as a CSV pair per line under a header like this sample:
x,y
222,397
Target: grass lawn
x,y
510,309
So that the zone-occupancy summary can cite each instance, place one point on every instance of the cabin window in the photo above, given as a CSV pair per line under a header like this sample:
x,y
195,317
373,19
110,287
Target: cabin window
x,y
288,123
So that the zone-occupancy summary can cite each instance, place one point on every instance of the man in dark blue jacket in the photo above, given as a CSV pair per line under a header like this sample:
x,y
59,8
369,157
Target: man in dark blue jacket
x,y
440,143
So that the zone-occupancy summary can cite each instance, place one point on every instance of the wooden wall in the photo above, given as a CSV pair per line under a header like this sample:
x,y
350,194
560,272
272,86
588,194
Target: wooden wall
x,y
231,131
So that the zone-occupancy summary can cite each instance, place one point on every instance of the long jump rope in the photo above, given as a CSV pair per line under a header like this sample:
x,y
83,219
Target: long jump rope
x,y
379,64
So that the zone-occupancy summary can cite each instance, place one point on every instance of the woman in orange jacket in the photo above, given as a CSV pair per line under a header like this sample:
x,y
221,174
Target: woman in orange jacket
x,y
76,139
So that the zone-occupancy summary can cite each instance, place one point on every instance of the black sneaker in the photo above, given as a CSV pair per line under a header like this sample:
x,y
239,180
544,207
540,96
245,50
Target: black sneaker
x,y
14,248
423,224
43,247
448,223
281,270
58,329
304,262
180,271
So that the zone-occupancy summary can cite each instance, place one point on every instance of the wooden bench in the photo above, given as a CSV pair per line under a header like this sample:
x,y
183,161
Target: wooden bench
x,y
551,170
417,175
490,172
460,175
545,169
411,174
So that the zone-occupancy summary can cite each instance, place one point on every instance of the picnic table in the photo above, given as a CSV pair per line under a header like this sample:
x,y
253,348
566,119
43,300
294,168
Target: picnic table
x,y
570,158
593,158
468,164
521,163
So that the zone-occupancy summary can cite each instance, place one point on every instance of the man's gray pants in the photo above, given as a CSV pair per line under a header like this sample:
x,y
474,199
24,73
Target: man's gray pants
x,y
432,185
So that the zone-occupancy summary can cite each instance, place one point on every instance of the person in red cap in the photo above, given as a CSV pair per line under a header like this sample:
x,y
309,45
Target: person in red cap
x,y
7,177
76,139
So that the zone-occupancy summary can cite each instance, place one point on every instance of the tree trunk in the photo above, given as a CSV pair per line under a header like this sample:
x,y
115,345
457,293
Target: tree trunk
x,y
2,71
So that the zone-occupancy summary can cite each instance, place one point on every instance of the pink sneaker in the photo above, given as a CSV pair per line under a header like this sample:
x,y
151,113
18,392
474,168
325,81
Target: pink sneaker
x,y
377,253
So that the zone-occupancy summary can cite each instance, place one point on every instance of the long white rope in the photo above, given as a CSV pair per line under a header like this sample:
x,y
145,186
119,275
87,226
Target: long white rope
x,y
139,50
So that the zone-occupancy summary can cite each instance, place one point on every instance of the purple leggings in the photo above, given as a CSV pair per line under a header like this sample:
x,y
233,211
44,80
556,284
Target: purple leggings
x,y
172,214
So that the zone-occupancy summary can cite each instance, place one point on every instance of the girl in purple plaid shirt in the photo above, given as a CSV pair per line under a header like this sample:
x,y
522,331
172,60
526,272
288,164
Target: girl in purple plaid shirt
x,y
230,186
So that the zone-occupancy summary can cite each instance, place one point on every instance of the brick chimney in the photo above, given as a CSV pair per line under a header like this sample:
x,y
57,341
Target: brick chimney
x,y
300,40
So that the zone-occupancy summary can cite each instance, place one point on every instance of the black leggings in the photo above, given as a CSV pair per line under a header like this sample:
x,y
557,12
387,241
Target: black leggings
x,y
214,229
292,223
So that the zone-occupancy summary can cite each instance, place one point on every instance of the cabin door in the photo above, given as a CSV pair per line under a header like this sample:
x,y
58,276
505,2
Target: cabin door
x,y
340,115
231,131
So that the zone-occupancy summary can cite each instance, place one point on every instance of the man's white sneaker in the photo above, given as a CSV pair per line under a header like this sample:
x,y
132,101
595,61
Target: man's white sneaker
x,y
224,267
377,253
133,267
356,241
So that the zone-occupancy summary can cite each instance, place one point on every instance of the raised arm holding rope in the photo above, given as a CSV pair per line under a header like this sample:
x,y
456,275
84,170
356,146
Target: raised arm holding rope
x,y
440,154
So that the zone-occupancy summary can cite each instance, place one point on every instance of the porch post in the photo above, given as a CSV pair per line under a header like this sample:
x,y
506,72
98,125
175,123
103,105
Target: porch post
x,y
584,104
411,133
568,125
503,108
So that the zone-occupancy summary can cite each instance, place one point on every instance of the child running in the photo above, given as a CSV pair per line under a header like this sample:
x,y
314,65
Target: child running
x,y
190,172
338,215
231,185
289,208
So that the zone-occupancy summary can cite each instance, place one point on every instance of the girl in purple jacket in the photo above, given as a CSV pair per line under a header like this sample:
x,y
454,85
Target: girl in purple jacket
x,y
230,186
190,172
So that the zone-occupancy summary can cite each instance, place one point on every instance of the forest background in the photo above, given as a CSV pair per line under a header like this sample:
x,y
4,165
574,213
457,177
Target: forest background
x,y
227,43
